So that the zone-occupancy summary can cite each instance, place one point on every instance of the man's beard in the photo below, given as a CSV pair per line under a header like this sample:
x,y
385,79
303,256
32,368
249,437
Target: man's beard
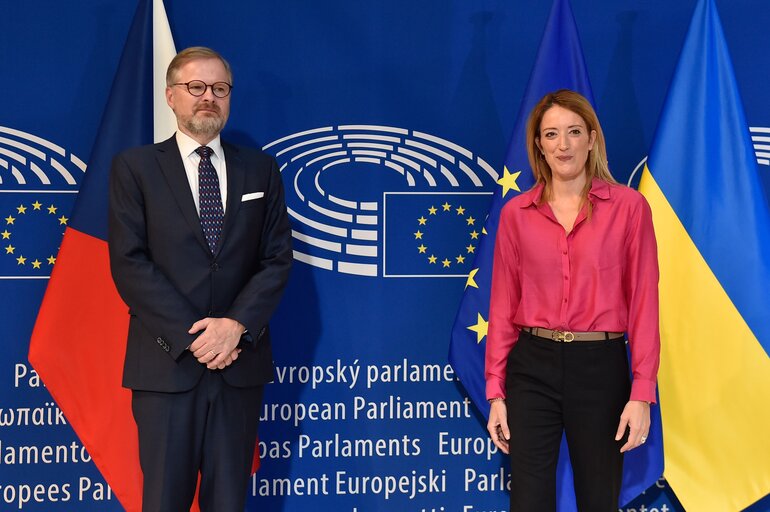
x,y
207,125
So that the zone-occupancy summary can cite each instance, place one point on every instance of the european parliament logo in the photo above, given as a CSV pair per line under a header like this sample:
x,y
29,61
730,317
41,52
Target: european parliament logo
x,y
760,136
383,201
433,234
38,185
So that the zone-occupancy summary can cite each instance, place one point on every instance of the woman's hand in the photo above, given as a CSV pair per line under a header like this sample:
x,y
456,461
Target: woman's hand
x,y
498,425
635,417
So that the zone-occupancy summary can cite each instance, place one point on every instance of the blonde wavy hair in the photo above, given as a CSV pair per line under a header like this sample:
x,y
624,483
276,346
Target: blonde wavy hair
x,y
596,165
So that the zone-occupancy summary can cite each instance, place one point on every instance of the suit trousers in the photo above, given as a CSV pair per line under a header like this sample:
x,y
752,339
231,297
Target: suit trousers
x,y
211,430
579,389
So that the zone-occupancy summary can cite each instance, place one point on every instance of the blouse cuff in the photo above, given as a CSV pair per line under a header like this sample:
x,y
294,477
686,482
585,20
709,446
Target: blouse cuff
x,y
641,389
495,388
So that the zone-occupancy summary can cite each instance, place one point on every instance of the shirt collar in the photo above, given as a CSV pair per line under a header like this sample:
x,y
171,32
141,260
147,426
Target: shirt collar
x,y
188,145
533,195
600,189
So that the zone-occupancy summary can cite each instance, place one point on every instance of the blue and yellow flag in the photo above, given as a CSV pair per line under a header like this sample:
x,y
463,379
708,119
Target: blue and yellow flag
x,y
559,64
713,230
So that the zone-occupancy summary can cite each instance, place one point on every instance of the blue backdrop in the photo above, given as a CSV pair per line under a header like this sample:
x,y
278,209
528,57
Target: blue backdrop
x,y
363,394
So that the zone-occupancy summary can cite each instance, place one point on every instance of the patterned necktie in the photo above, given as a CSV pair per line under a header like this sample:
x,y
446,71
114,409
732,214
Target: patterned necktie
x,y
212,214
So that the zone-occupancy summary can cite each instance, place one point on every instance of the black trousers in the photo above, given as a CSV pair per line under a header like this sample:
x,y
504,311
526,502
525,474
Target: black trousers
x,y
211,429
579,389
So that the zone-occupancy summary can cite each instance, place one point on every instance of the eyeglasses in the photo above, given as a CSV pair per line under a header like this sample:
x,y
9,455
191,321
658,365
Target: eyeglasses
x,y
198,88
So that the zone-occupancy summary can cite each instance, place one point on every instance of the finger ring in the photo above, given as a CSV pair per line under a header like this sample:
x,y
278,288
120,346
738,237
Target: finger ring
x,y
644,438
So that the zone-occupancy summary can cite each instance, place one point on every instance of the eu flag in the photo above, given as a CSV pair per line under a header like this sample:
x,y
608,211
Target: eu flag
x,y
559,64
713,229
432,233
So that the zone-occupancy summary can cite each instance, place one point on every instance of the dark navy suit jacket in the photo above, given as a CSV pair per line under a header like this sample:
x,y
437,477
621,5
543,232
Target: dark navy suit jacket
x,y
166,274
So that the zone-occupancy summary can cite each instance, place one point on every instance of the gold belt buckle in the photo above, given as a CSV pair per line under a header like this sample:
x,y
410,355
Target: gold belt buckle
x,y
563,336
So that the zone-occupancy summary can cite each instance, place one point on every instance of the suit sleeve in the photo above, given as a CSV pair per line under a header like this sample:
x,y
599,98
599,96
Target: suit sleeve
x,y
258,299
150,296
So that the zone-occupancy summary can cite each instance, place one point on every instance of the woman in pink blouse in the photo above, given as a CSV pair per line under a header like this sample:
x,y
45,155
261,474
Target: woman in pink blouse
x,y
575,268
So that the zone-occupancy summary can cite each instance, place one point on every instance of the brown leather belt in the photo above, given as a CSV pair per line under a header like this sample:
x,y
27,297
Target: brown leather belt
x,y
569,336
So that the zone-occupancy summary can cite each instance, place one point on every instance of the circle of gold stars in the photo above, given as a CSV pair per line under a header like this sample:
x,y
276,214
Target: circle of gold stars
x,y
9,224
447,261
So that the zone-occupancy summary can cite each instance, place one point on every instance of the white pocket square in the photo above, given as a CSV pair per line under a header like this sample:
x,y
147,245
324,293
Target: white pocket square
x,y
251,196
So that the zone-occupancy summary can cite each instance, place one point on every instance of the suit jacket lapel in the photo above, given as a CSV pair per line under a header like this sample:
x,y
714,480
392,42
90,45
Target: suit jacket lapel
x,y
236,179
170,162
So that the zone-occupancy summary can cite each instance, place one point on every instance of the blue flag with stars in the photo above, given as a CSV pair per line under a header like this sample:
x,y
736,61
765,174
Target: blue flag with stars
x,y
559,65
432,233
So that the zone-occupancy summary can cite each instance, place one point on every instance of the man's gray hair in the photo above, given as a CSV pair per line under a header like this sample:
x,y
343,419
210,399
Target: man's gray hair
x,y
190,54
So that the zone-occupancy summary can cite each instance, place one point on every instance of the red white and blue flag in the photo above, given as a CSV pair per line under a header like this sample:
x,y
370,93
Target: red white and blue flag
x,y
79,341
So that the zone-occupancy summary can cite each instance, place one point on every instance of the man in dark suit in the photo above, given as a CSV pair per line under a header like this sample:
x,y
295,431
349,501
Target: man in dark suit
x,y
200,250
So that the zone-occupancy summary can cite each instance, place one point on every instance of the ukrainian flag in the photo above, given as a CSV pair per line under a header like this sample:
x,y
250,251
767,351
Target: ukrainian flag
x,y
713,229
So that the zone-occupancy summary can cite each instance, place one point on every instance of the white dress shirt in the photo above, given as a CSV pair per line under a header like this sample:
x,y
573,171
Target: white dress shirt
x,y
191,159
